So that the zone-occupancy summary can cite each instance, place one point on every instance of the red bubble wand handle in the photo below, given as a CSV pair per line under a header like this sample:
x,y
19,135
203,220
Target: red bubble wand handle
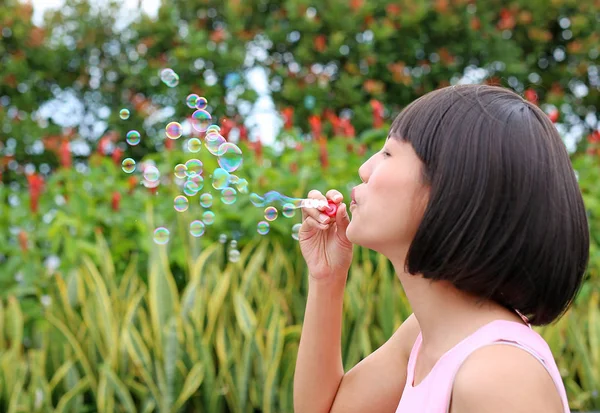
x,y
331,208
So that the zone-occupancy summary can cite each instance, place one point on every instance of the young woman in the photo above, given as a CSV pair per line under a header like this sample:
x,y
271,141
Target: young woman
x,y
474,201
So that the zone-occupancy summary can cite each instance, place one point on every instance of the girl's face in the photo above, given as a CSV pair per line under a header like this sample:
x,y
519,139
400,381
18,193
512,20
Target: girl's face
x,y
389,204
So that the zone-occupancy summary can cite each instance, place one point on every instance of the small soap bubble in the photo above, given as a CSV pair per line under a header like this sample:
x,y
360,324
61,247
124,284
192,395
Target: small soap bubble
x,y
128,165
191,100
262,228
180,171
151,173
233,179
201,120
233,255
270,213
173,130
223,238
257,200
198,180
194,167
233,244
181,203
206,200
228,196
201,103
194,145
288,210
133,137
124,114
213,129
161,235
296,231
242,186
229,156
208,217
191,188
169,77
197,228
213,141
220,178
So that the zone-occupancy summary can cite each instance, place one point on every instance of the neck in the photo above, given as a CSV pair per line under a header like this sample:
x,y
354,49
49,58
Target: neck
x,y
445,314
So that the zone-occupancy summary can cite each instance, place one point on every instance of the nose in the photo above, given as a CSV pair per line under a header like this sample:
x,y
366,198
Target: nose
x,y
364,171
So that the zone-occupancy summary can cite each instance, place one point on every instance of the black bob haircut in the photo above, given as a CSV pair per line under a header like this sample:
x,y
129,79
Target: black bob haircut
x,y
505,219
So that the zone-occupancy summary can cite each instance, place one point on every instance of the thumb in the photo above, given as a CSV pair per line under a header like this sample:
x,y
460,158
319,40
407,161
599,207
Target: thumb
x,y
342,219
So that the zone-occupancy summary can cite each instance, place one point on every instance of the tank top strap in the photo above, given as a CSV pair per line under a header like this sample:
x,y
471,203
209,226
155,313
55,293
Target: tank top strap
x,y
412,360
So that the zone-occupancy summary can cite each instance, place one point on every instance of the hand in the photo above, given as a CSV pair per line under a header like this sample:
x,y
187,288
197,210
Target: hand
x,y
323,242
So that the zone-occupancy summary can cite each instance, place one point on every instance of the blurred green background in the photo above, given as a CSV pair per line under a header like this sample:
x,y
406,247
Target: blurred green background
x,y
95,316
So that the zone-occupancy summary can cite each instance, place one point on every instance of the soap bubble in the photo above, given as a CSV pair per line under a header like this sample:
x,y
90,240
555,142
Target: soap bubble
x,y
128,165
270,213
173,130
169,77
201,120
161,235
201,103
220,178
213,128
233,255
194,167
191,100
288,210
180,171
213,142
262,228
191,188
208,217
180,203
228,196
133,137
242,186
206,200
124,114
222,238
151,173
296,231
229,156
194,145
233,244
197,228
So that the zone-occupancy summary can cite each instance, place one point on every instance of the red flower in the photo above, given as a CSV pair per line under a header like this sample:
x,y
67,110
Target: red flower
x,y
294,168
66,160
554,115
103,145
23,241
531,96
315,126
288,117
115,201
132,183
594,137
362,149
323,154
226,126
377,107
243,133
348,129
36,184
320,43
169,143
117,156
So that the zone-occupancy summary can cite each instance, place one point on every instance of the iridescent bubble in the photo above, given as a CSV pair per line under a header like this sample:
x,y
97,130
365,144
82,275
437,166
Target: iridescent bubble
x,y
191,100
201,102
233,255
233,244
289,210
220,178
229,156
194,145
151,173
197,228
256,199
194,167
181,203
222,238
133,137
206,200
228,196
201,120
233,179
169,77
190,188
242,186
208,217
213,141
213,128
198,180
124,114
270,213
296,231
161,235
128,165
262,228
173,130
180,171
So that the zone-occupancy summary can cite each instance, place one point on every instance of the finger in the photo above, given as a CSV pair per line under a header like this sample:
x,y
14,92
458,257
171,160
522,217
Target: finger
x,y
335,195
310,223
342,219
313,212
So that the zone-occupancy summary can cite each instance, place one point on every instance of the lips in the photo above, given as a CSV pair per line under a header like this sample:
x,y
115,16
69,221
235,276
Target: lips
x,y
353,196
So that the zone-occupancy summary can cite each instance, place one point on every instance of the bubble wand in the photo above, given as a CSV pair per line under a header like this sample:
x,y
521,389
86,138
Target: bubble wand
x,y
294,203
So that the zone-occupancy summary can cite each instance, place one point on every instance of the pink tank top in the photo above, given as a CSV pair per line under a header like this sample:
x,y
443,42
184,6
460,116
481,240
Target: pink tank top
x,y
432,394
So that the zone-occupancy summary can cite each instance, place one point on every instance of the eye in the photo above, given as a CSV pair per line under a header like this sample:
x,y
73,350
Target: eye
x,y
386,154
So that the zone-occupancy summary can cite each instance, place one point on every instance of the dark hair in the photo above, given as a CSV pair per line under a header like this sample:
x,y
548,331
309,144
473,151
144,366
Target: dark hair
x,y
505,219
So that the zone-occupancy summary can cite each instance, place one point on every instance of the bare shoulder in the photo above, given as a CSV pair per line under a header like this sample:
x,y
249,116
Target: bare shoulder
x,y
504,378
407,333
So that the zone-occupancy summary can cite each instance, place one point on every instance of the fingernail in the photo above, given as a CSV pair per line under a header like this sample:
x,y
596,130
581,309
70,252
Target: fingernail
x,y
338,198
323,218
